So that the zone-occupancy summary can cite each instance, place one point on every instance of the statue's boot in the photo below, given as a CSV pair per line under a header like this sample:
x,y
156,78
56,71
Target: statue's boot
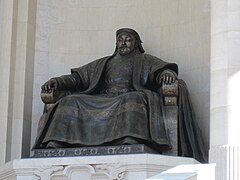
x,y
54,145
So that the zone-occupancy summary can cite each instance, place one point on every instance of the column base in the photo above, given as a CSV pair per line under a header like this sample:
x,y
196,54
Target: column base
x,y
227,159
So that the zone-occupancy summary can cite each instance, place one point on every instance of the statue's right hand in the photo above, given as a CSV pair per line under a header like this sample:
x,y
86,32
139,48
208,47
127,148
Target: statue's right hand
x,y
50,85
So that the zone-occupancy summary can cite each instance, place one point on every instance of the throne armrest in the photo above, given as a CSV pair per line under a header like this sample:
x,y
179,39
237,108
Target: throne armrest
x,y
170,96
170,93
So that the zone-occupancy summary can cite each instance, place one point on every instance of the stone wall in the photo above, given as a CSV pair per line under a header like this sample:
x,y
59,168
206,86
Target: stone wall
x,y
70,33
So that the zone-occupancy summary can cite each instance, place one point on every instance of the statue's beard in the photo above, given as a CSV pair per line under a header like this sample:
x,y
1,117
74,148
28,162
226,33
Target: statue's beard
x,y
123,50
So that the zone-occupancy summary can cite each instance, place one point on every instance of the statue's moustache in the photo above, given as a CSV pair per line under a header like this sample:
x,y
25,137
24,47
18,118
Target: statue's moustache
x,y
123,47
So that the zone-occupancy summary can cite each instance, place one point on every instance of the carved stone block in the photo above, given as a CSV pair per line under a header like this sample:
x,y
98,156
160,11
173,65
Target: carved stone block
x,y
111,167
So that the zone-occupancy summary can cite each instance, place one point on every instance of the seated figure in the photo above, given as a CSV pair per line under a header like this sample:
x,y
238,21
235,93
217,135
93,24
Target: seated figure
x,y
116,100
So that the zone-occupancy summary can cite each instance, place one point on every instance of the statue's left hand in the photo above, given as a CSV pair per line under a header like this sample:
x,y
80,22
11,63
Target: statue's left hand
x,y
168,77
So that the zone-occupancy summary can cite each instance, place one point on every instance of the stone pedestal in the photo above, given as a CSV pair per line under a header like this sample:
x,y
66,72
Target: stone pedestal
x,y
108,167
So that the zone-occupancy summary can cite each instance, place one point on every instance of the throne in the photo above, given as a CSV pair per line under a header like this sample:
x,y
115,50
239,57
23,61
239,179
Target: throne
x,y
170,99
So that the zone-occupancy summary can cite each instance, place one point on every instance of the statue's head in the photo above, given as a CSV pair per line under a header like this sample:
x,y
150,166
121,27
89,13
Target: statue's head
x,y
128,41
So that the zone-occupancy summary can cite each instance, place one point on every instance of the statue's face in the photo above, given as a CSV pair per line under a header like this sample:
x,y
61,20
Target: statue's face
x,y
125,43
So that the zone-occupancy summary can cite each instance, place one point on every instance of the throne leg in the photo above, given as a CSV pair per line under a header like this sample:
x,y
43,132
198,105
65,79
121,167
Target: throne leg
x,y
171,114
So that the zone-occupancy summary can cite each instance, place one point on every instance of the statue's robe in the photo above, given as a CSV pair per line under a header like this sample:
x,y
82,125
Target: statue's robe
x,y
87,117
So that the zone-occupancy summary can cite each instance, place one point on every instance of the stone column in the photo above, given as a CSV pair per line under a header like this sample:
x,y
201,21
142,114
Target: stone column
x,y
225,88
17,36
6,39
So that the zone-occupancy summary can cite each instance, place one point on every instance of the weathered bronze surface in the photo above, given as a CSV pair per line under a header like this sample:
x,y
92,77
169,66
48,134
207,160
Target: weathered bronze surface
x,y
118,100
92,151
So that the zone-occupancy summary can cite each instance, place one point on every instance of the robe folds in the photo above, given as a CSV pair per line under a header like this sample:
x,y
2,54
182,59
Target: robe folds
x,y
88,117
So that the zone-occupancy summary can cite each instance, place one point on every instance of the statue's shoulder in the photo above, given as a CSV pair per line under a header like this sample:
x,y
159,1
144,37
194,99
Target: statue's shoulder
x,y
98,61
156,63
152,59
95,62
91,66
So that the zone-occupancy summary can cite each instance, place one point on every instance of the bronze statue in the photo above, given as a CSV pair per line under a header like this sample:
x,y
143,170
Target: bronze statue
x,y
115,100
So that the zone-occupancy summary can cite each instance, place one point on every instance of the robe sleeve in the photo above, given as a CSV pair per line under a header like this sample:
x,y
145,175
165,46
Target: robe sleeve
x,y
89,75
83,75
68,82
78,80
156,69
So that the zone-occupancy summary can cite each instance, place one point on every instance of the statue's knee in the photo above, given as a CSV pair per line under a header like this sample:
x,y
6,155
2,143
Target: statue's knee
x,y
69,99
